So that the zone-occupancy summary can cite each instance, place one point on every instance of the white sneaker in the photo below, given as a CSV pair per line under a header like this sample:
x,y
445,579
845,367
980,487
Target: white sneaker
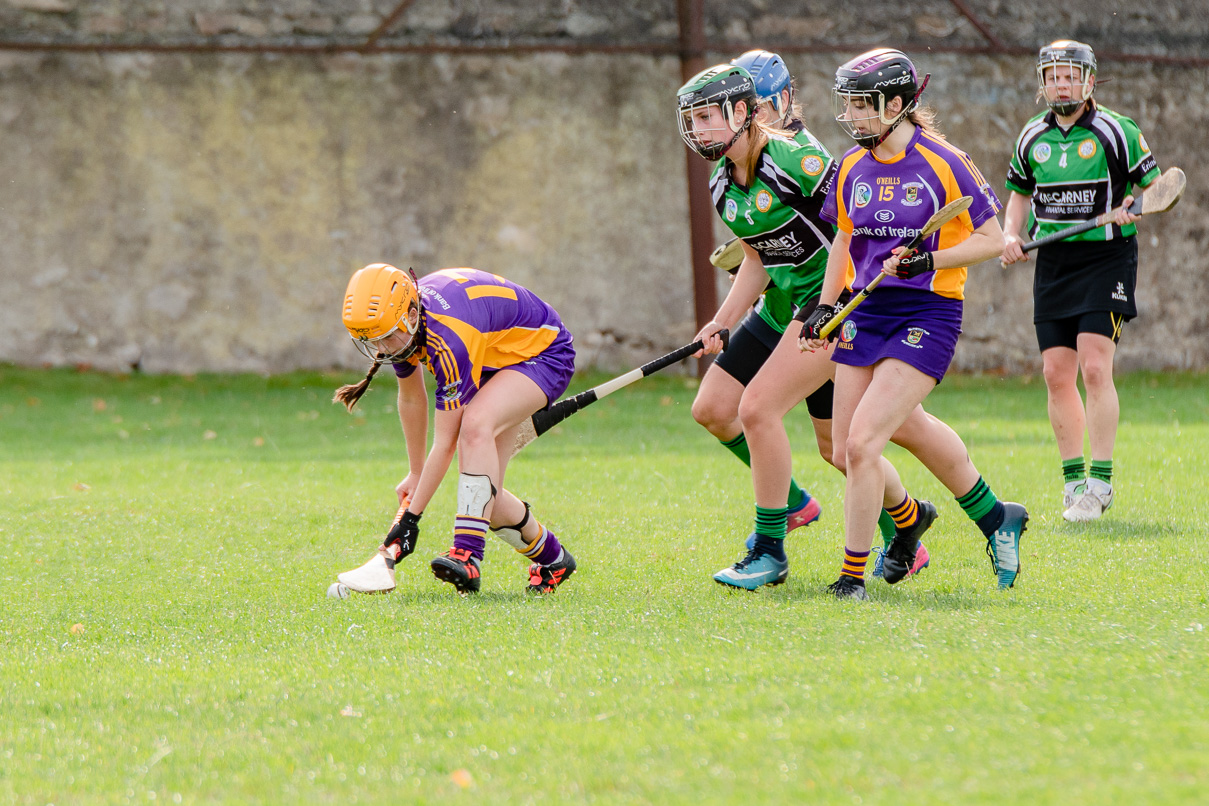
x,y
1072,490
1101,490
376,576
1087,507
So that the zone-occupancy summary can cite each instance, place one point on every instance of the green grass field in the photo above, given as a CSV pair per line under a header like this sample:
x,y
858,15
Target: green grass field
x,y
166,543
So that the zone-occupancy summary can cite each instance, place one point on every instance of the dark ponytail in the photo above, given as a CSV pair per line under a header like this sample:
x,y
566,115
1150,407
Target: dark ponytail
x,y
351,393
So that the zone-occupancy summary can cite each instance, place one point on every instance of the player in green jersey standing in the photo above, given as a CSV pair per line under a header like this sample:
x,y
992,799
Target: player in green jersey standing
x,y
1073,163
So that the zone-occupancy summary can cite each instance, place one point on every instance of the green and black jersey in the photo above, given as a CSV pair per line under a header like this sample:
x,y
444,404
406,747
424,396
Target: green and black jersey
x,y
1079,173
777,214
1072,176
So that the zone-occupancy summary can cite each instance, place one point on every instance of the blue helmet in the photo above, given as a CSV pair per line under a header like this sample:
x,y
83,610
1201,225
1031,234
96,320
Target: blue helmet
x,y
771,76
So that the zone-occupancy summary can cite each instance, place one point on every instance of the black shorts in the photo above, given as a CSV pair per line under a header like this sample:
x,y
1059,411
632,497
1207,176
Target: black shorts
x,y
1076,277
1065,332
751,343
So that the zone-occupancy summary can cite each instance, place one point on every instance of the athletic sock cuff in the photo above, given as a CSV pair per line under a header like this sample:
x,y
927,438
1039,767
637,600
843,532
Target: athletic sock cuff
x,y
978,501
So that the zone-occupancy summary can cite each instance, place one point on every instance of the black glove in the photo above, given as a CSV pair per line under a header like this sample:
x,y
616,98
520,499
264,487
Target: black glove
x,y
813,326
913,265
404,534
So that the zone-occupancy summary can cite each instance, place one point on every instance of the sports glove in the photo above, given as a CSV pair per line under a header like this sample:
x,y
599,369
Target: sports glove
x,y
403,534
813,326
913,265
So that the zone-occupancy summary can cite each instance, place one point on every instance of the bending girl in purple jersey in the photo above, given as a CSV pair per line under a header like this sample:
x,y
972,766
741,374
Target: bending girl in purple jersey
x,y
498,354
896,347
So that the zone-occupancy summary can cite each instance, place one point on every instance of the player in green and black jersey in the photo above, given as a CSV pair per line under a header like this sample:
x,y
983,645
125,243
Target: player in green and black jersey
x,y
753,340
768,188
1073,163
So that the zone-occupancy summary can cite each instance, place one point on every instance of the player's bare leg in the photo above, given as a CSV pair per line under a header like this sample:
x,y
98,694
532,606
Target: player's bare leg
x,y
1096,354
716,407
1060,366
785,379
495,412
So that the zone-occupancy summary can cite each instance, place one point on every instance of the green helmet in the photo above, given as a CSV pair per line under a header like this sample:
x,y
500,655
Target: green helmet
x,y
723,86
1078,57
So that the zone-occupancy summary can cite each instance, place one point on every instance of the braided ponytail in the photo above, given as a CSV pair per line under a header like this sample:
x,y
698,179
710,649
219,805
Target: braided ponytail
x,y
351,393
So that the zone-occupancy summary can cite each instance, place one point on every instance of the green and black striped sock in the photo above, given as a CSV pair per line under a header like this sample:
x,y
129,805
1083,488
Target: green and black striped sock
x,y
1073,470
770,530
1102,469
982,507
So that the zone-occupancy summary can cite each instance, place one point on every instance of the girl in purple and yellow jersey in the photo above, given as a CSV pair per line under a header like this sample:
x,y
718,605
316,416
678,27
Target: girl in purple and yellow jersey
x,y
896,347
498,353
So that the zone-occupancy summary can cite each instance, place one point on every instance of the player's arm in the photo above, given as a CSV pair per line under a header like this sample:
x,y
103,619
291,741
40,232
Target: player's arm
x,y
835,280
413,416
1123,215
984,243
1014,218
749,284
446,425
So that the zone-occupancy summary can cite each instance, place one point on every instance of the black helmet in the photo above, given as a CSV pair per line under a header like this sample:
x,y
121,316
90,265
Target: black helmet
x,y
1076,56
723,85
876,78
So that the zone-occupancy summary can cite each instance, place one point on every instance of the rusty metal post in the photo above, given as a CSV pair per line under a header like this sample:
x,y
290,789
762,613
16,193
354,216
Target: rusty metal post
x,y
691,16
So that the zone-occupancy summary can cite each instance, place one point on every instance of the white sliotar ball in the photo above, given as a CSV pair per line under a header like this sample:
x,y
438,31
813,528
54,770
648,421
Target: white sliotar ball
x,y
337,590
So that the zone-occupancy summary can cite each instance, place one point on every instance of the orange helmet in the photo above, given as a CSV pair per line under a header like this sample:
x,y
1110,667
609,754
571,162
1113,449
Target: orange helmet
x,y
382,312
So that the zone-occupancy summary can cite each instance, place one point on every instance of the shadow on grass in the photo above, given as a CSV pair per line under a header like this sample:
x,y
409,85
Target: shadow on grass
x,y
444,596
906,596
1119,531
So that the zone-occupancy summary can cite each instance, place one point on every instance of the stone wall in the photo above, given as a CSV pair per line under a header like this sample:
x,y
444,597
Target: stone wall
x,y
179,212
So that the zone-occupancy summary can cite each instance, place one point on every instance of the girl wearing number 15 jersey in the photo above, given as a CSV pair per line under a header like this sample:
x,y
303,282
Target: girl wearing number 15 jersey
x,y
896,347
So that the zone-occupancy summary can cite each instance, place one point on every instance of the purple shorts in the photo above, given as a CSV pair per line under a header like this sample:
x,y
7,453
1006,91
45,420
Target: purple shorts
x,y
917,327
551,369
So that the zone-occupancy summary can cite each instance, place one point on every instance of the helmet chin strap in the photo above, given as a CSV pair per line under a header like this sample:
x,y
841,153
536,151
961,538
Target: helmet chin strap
x,y
877,141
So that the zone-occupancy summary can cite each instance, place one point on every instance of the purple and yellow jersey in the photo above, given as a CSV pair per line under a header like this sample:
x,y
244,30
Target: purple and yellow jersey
x,y
477,323
884,204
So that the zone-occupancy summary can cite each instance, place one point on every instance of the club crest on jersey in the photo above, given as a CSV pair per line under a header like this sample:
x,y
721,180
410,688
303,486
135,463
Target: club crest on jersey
x,y
732,210
1087,149
1041,152
1142,144
848,331
862,194
812,165
911,194
763,201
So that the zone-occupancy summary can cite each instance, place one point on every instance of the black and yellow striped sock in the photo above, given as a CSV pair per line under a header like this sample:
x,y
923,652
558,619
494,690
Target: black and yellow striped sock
x,y
905,514
854,563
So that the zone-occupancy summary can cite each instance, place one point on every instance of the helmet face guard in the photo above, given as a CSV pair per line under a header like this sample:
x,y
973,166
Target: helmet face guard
x,y
864,89
382,313
710,120
771,77
398,345
1068,63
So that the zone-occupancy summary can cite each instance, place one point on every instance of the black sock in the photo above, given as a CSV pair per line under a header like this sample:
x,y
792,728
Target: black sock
x,y
770,545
